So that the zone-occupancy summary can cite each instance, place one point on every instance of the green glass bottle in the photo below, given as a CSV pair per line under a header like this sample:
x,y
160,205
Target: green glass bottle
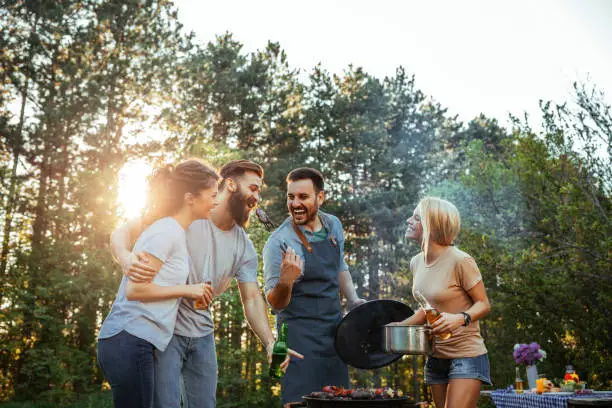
x,y
279,352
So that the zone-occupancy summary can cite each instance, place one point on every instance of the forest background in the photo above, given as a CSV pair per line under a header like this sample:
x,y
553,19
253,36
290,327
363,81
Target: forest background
x,y
95,92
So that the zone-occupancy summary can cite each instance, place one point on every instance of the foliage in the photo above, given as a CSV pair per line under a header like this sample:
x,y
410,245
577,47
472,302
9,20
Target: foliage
x,y
92,79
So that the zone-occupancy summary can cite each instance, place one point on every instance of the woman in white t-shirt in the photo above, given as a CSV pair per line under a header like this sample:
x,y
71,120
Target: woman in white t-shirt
x,y
143,315
450,281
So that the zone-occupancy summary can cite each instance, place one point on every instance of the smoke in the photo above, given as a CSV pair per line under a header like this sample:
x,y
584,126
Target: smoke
x,y
498,211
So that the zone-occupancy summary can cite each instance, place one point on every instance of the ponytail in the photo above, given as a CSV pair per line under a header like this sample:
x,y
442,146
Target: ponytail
x,y
169,184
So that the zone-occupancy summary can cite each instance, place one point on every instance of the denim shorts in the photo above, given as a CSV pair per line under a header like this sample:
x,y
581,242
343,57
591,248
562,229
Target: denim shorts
x,y
441,370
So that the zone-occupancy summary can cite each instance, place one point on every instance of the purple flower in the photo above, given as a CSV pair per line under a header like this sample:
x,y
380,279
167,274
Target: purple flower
x,y
528,353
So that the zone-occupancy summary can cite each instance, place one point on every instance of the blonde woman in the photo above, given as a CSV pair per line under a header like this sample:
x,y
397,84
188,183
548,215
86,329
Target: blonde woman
x,y
451,282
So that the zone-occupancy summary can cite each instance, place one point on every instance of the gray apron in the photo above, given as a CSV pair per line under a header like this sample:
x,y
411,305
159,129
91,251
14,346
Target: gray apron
x,y
312,317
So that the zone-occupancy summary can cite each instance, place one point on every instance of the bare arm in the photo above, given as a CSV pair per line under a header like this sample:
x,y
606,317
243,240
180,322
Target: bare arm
x,y
122,240
257,316
280,296
290,269
134,266
347,288
417,319
150,292
255,312
480,308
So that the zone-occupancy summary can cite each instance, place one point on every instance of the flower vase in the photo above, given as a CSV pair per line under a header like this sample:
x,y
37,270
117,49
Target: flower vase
x,y
532,375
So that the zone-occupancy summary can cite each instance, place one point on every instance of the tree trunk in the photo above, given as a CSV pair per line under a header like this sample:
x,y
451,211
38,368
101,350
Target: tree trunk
x,y
11,199
40,221
86,327
59,229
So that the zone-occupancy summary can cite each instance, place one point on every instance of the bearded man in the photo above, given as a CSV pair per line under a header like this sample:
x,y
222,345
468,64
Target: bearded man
x,y
220,250
304,271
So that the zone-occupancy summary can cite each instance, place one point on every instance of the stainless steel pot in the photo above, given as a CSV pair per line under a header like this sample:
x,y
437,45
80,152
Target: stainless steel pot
x,y
406,339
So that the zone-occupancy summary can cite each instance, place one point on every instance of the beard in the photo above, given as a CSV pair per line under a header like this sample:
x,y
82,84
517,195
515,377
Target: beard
x,y
238,209
307,217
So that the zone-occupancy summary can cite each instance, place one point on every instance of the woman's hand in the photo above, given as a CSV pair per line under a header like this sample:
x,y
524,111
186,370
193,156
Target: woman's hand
x,y
200,291
417,319
402,323
448,322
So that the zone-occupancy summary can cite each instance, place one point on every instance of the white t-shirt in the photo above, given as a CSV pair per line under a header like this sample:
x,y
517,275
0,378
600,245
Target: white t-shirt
x,y
217,256
154,322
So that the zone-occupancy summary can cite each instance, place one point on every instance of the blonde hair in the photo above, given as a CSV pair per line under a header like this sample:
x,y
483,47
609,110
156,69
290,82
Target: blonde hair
x,y
440,220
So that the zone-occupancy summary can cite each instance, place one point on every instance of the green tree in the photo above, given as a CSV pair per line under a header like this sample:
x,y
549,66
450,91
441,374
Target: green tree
x,y
98,66
536,217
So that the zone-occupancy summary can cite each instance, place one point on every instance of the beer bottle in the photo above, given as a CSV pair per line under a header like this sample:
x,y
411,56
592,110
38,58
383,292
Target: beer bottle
x,y
431,312
279,352
518,382
198,304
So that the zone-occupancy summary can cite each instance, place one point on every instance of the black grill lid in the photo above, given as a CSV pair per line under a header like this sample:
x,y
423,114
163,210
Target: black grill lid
x,y
359,335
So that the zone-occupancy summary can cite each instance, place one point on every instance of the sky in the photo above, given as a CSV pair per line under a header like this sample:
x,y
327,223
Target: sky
x,y
494,57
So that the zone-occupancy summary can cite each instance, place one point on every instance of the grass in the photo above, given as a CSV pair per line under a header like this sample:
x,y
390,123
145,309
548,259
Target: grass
x,y
97,400
104,400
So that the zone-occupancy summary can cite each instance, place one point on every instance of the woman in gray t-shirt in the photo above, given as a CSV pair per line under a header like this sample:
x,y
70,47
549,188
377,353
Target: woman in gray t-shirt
x,y
143,315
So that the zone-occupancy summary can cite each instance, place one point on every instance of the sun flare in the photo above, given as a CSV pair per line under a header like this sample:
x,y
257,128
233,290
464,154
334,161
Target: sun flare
x,y
132,191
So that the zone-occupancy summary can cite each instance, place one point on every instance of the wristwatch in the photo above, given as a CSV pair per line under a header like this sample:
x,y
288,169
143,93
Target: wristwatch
x,y
467,319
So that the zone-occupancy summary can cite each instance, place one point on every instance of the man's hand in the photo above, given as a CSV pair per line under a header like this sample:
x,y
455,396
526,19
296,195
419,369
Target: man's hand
x,y
291,266
285,364
138,269
355,303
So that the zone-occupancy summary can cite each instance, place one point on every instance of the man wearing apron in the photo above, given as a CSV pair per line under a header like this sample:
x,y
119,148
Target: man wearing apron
x,y
304,272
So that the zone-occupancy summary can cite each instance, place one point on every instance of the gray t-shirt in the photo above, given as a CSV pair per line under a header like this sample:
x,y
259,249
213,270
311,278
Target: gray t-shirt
x,y
154,322
217,256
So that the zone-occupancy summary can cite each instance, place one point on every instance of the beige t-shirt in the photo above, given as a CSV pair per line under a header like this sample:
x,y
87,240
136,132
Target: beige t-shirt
x,y
445,284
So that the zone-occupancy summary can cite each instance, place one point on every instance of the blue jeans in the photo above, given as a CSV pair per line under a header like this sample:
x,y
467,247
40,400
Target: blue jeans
x,y
127,362
441,370
195,359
